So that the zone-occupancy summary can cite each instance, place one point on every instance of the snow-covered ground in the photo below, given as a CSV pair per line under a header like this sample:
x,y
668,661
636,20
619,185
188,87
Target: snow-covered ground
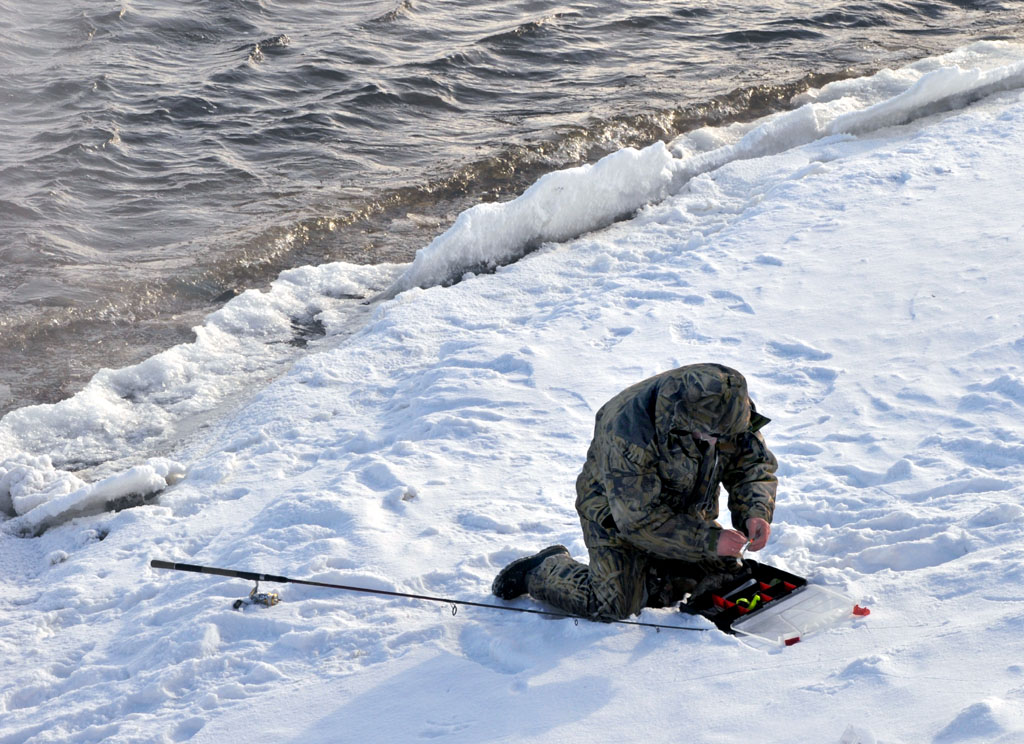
x,y
858,258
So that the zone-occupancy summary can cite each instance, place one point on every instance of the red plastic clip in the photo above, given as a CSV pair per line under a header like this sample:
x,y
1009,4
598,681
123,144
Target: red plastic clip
x,y
792,641
723,603
789,586
861,611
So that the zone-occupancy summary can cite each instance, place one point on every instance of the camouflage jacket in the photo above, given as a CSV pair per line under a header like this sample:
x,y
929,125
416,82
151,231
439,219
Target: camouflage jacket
x,y
653,485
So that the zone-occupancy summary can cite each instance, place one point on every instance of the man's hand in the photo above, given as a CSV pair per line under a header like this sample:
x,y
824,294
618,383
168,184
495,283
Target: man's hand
x,y
731,542
759,530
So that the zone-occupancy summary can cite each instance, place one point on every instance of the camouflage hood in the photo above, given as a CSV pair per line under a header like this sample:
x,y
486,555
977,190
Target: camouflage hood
x,y
711,398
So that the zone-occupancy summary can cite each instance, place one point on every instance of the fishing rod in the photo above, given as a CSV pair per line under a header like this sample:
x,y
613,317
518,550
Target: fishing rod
x,y
272,598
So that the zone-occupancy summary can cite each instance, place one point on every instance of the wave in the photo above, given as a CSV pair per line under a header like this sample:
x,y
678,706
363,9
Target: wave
x,y
402,10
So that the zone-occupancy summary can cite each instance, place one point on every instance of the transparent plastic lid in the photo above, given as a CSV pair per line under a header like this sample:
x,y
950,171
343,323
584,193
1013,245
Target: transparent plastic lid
x,y
811,608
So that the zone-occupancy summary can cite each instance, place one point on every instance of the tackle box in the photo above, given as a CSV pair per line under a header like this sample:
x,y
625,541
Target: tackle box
x,y
772,604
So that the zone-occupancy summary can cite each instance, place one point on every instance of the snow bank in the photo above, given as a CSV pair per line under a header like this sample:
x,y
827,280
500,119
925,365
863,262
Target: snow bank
x,y
858,106
561,205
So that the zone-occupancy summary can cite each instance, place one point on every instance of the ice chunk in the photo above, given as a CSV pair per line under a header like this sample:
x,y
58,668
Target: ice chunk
x,y
140,481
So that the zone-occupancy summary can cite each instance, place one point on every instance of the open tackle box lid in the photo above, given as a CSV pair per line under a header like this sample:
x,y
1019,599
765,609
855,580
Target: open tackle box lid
x,y
774,605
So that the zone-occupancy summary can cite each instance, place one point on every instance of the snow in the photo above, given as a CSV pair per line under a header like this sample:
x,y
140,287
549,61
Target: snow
x,y
561,205
863,275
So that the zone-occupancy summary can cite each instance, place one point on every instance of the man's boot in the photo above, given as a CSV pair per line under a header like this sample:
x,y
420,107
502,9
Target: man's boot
x,y
511,580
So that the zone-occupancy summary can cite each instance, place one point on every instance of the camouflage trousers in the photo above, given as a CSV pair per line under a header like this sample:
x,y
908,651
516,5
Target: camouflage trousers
x,y
621,579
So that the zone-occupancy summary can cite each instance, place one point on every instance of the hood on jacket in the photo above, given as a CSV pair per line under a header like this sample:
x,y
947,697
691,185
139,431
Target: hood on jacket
x,y
710,398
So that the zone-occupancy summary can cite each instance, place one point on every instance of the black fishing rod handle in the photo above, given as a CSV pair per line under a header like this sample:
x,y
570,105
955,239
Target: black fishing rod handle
x,y
247,575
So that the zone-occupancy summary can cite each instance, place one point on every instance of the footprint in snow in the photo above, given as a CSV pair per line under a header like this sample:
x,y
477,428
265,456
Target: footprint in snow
x,y
797,350
806,384
436,729
505,653
377,475
988,720
615,337
483,523
737,303
188,728
913,555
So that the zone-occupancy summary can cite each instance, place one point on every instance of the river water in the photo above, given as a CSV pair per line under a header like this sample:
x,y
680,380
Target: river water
x,y
158,157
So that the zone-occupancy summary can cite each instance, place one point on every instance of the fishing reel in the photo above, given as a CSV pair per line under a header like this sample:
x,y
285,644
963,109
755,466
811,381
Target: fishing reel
x,y
256,597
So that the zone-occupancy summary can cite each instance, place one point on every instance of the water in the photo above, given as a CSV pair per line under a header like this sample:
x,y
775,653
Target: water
x,y
157,157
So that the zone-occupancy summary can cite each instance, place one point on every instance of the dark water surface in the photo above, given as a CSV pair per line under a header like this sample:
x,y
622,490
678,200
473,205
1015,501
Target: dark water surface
x,y
157,157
